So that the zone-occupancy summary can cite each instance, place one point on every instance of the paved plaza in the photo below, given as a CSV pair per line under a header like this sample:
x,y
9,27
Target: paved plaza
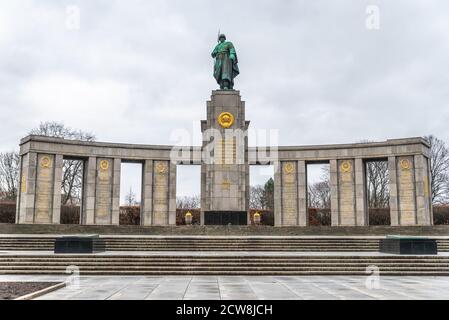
x,y
243,287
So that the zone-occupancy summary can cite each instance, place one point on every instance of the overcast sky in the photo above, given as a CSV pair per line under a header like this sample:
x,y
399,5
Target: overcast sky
x,y
136,70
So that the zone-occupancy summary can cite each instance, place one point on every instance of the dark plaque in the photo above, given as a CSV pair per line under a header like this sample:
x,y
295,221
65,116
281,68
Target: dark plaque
x,y
225,218
79,244
408,245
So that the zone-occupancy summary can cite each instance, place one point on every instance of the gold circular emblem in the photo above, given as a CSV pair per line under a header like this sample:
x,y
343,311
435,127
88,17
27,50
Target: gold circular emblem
x,y
45,162
289,167
225,119
161,167
405,164
104,164
345,166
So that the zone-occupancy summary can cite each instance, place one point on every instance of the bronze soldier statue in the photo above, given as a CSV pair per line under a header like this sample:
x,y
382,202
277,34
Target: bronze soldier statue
x,y
225,68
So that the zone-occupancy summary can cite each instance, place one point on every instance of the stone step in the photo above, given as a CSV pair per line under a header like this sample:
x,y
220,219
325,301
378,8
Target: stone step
x,y
228,267
228,272
218,244
247,265
86,257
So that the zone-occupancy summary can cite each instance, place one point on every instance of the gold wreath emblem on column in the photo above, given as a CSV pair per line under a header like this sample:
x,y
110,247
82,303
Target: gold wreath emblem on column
x,y
405,164
345,166
225,184
104,165
161,167
225,119
289,167
45,162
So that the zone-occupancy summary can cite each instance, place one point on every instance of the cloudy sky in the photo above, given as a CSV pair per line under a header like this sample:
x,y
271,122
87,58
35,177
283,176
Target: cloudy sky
x,y
133,71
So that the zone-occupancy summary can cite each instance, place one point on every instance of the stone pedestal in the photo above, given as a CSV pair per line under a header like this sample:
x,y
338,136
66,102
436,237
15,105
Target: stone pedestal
x,y
225,168
408,245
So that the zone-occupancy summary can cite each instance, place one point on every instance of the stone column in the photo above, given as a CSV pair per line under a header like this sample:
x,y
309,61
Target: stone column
x,y
27,188
45,173
90,174
172,194
335,221
289,189
103,191
224,178
346,192
161,192
303,214
277,194
57,189
360,193
393,187
147,193
422,187
117,167
406,190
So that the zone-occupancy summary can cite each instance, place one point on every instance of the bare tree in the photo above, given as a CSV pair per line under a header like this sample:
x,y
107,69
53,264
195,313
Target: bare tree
x,y
59,130
130,198
319,193
256,197
9,175
188,202
377,182
262,197
72,169
439,170
72,182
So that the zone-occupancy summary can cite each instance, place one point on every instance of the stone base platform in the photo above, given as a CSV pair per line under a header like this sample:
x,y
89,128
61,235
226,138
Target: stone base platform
x,y
408,245
223,263
79,244
440,230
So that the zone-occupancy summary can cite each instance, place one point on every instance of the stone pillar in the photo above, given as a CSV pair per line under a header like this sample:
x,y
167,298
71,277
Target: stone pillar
x,y
147,193
117,167
224,170
45,173
360,193
346,193
333,171
161,192
406,190
90,174
103,191
56,217
289,190
393,188
172,194
422,187
343,192
277,194
27,188
303,214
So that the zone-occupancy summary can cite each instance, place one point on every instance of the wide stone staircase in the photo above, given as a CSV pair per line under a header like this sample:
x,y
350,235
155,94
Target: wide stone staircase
x,y
224,265
275,244
209,255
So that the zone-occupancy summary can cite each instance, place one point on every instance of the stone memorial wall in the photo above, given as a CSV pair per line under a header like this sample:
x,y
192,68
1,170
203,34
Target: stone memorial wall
x,y
224,182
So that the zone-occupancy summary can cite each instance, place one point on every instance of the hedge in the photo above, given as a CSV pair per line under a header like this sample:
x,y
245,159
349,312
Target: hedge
x,y
130,215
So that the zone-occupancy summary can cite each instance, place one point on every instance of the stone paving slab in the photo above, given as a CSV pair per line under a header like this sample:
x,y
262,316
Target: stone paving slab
x,y
243,287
